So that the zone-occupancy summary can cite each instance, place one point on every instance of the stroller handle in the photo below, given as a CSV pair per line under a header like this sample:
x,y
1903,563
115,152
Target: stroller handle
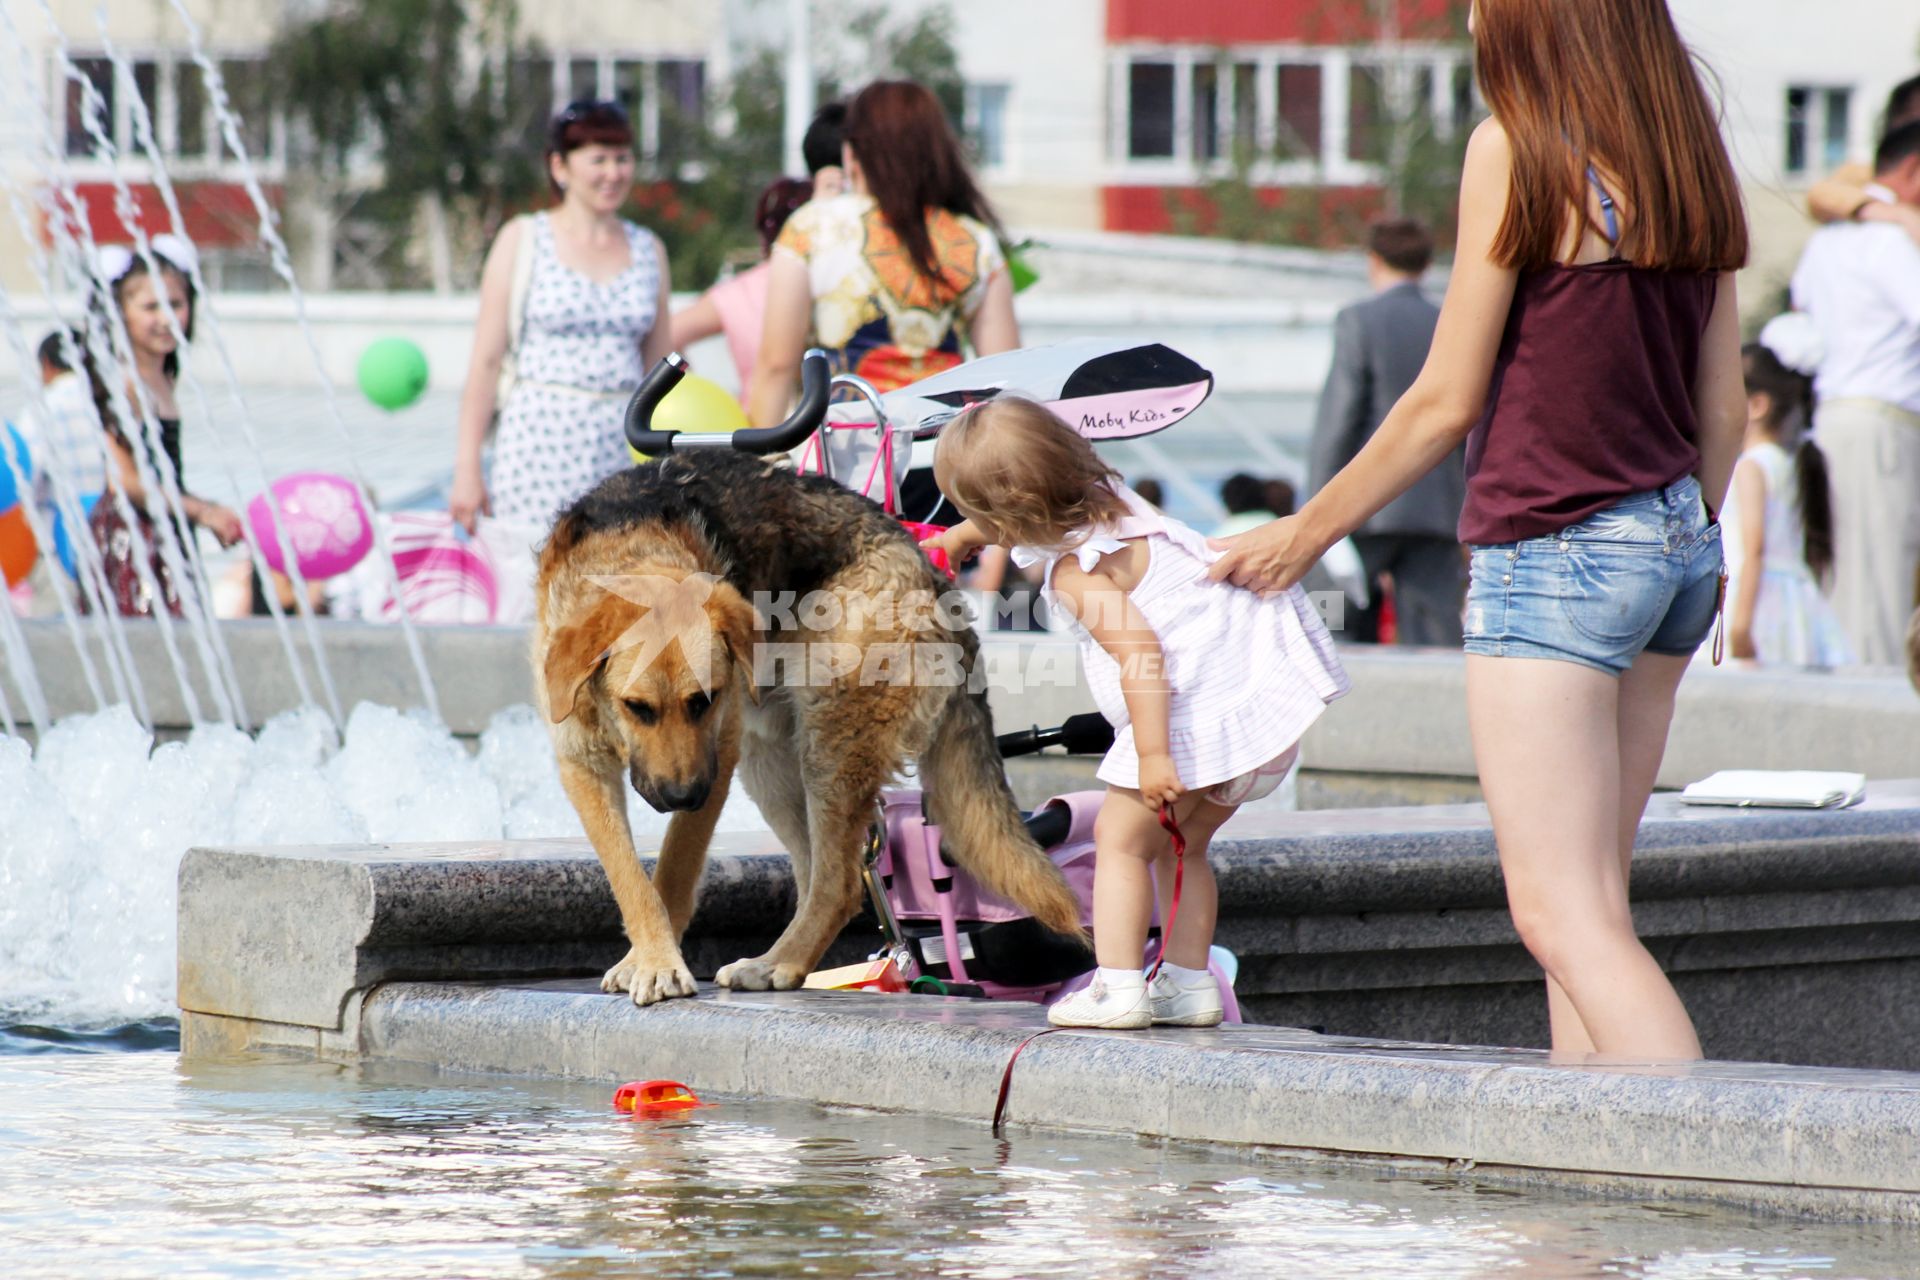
x,y
1083,734
665,376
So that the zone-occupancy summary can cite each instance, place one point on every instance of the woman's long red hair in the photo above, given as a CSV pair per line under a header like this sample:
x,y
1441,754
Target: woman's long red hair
x,y
913,164
1607,83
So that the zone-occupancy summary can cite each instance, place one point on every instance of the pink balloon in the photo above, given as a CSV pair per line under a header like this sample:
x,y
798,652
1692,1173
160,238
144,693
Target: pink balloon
x,y
326,524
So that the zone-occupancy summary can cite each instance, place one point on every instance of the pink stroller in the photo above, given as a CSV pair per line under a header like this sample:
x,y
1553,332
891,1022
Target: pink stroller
x,y
948,936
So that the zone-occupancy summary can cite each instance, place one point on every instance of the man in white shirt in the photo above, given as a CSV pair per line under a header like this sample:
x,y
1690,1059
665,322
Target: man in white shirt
x,y
1861,285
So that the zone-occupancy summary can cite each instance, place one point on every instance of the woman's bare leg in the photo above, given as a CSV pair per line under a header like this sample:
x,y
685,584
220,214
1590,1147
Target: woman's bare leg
x,y
1646,694
1553,765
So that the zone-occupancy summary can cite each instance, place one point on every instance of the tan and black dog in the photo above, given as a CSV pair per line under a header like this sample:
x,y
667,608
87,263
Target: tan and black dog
x,y
644,656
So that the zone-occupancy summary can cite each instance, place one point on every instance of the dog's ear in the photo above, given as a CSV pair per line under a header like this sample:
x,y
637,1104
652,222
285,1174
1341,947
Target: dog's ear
x,y
734,622
575,651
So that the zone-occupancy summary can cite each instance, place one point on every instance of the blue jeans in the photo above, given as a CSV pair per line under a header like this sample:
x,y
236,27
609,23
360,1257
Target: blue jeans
x,y
1642,575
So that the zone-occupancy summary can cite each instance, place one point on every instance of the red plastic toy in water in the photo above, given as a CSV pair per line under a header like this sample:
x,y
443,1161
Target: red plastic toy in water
x,y
654,1097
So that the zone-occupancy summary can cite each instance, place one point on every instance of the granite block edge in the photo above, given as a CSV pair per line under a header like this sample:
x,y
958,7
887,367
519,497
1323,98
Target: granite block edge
x,y
950,1066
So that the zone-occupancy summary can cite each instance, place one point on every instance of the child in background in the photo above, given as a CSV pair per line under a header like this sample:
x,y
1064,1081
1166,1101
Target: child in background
x,y
1778,527
1209,686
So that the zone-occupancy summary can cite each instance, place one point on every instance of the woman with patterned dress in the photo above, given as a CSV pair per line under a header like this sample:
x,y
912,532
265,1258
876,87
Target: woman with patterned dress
x,y
595,296
891,276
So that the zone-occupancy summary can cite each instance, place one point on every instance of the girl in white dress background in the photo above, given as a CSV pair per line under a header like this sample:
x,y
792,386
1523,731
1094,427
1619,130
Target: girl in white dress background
x,y
1209,686
1778,527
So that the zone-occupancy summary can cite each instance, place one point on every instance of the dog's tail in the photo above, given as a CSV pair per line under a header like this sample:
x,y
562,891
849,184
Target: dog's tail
x,y
968,796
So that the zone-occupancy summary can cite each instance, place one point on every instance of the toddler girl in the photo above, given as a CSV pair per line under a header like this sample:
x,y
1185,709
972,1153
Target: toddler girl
x,y
1210,687
1778,528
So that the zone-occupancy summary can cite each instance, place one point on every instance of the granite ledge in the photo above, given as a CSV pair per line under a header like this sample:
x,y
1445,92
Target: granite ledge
x,y
1804,1140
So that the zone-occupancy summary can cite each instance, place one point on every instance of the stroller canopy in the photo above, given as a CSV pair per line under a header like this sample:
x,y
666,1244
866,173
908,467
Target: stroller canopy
x,y
1109,389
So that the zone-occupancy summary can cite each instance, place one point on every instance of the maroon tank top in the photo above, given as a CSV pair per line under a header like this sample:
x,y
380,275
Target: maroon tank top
x,y
1591,397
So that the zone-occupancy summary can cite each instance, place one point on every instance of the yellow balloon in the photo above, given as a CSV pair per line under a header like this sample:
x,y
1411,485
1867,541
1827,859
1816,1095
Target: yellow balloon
x,y
698,406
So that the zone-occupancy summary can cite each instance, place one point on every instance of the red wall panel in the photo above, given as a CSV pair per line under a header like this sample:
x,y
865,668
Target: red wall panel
x,y
216,214
1324,217
1231,22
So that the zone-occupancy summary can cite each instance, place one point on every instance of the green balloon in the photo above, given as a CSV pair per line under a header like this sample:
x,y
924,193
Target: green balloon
x,y
393,372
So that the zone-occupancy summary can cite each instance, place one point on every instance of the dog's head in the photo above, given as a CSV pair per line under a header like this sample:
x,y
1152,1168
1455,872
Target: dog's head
x,y
661,655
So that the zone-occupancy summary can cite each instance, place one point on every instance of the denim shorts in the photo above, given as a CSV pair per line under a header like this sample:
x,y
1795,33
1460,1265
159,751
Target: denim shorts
x,y
1643,575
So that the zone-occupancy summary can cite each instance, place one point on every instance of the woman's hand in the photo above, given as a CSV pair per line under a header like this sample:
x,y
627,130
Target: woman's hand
x,y
1160,781
1740,642
468,499
1268,559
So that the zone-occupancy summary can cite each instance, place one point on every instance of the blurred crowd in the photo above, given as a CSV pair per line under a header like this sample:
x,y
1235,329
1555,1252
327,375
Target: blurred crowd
x,y
887,254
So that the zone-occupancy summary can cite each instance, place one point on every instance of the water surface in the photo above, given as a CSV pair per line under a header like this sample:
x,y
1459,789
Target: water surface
x,y
116,1161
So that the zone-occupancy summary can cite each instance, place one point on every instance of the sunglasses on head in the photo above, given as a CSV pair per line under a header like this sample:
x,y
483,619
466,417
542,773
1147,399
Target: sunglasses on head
x,y
583,107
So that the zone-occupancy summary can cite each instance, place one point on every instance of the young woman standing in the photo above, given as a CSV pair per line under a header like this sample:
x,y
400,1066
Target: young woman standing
x,y
1589,353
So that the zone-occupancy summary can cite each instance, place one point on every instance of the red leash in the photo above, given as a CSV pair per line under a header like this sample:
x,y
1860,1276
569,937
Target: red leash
x,y
1006,1078
1173,910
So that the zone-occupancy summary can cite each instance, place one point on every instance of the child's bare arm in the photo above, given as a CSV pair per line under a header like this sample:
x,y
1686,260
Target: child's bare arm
x,y
1110,616
959,542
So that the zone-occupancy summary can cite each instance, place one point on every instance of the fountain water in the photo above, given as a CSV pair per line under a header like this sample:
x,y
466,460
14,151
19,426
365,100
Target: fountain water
x,y
113,354
283,267
92,828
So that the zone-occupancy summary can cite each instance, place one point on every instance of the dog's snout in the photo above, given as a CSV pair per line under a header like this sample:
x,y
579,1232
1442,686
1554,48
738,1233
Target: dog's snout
x,y
683,795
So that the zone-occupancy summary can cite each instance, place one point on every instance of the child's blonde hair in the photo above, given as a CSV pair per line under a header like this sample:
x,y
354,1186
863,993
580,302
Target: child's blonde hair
x,y
1013,465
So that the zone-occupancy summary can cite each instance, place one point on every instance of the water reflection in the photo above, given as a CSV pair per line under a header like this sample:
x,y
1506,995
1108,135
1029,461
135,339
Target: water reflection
x,y
132,1164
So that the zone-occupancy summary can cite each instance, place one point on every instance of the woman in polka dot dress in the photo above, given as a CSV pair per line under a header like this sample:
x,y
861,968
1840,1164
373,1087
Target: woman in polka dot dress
x,y
596,291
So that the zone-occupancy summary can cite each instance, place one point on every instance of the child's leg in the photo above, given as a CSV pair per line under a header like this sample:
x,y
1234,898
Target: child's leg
x,y
1189,933
1127,839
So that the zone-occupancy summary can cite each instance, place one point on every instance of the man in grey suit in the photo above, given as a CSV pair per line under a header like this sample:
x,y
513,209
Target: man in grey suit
x,y
1378,348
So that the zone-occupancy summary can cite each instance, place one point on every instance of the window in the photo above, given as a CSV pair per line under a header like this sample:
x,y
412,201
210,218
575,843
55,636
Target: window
x,y
191,119
1422,113
1298,136
1246,108
583,79
1798,103
1367,122
987,123
97,73
146,84
1206,112
1819,124
1150,110
249,94
530,100
171,90
1463,100
628,81
1839,105
683,90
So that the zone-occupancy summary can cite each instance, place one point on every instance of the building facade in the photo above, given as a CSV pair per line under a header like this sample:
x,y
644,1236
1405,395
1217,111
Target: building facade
x,y
1087,115
107,89
1802,87
1128,115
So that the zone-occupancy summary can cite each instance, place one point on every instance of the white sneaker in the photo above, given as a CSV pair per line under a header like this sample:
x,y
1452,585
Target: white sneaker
x,y
1098,1005
1178,1006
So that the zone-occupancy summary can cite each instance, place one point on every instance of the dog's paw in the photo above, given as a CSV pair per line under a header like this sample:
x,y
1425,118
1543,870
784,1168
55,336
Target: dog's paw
x,y
760,975
649,980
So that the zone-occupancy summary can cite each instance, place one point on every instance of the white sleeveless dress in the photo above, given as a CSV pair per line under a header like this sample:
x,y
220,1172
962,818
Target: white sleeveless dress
x,y
1249,673
578,362
1793,623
